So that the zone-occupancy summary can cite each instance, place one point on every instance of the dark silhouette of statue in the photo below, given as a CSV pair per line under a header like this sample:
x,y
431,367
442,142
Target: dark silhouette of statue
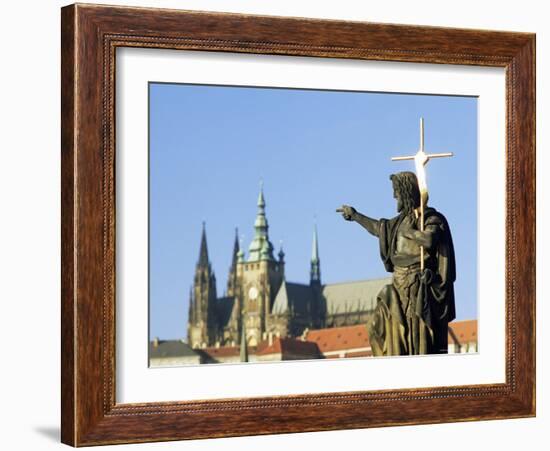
x,y
413,312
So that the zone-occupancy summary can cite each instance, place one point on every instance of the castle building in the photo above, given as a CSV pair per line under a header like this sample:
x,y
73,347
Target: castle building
x,y
259,303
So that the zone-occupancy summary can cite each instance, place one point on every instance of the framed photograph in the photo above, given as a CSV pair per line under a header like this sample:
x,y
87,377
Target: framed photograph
x,y
268,222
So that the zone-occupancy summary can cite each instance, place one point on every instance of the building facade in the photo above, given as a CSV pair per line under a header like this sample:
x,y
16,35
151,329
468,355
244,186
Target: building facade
x,y
259,303
329,343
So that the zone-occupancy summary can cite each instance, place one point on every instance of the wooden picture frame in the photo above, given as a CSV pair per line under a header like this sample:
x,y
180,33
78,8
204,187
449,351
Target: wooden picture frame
x,y
90,36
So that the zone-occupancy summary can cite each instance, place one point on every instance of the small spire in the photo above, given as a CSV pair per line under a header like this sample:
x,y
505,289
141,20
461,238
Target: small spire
x,y
203,252
315,245
261,200
281,252
315,266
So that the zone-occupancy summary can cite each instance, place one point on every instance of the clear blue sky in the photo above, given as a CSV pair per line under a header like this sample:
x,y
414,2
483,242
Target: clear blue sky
x,y
314,150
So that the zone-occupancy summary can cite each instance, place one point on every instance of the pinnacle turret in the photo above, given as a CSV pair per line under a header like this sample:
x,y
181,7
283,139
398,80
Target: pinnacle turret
x,y
281,253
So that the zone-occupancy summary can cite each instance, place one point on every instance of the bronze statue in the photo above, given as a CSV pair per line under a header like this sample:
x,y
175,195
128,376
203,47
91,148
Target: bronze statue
x,y
412,314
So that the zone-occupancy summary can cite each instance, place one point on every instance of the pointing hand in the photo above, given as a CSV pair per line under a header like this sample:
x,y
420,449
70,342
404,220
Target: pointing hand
x,y
348,212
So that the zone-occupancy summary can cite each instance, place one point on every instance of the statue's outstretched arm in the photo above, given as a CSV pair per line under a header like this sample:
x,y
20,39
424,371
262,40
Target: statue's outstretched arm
x,y
351,214
372,225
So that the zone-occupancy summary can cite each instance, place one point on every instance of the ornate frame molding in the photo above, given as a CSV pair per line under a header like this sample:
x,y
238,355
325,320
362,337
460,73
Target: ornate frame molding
x,y
90,36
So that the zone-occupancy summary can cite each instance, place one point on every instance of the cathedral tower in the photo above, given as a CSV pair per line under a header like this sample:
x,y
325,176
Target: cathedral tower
x,y
202,323
260,276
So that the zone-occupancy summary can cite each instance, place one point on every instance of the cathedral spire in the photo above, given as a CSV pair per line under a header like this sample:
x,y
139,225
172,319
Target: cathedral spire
x,y
315,267
236,249
315,246
203,252
260,248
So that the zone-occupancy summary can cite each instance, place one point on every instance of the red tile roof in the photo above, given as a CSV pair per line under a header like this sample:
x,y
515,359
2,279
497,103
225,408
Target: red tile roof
x,y
463,331
288,347
340,338
333,339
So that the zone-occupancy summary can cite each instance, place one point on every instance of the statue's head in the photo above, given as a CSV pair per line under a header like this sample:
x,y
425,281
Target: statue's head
x,y
405,190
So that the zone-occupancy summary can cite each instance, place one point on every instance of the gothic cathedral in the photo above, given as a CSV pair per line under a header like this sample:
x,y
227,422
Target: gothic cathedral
x,y
259,301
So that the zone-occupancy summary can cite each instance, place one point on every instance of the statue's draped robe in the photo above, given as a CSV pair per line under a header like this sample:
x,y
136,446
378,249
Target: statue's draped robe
x,y
412,314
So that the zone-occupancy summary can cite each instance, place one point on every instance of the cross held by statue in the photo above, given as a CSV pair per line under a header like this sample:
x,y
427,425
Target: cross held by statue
x,y
421,158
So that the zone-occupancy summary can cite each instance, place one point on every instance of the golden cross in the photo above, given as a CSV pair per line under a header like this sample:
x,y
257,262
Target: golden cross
x,y
421,158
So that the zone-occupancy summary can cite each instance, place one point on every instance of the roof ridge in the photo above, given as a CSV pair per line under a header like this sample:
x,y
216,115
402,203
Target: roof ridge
x,y
297,283
337,328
